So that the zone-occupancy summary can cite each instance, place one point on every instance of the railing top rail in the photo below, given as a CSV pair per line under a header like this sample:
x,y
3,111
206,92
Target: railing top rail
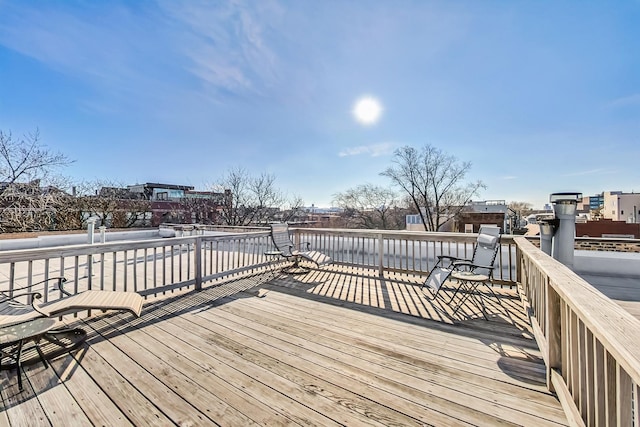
x,y
612,325
400,234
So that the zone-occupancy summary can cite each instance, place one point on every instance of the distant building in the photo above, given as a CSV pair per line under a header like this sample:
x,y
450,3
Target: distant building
x,y
168,203
619,206
182,203
608,228
487,212
596,202
471,217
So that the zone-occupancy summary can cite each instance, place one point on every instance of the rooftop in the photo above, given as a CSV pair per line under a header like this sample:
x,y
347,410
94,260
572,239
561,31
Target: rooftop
x,y
334,347
225,338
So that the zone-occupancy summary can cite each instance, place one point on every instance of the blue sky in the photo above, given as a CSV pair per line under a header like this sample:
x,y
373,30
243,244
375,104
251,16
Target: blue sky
x,y
540,96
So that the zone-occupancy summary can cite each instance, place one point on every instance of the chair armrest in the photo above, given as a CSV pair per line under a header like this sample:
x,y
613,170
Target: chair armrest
x,y
472,266
452,259
59,279
33,294
61,287
301,244
24,294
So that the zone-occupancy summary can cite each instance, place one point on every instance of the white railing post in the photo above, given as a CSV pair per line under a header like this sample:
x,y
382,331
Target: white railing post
x,y
197,263
380,254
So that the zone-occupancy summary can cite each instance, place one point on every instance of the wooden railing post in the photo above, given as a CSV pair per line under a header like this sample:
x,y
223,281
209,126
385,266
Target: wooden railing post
x,y
519,276
554,333
197,263
380,254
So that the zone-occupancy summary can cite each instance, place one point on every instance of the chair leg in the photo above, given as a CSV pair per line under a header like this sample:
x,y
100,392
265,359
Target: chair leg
x,y
296,268
468,290
497,299
19,364
471,289
460,285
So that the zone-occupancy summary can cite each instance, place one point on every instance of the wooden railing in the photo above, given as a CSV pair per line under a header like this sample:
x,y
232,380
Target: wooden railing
x,y
157,266
148,267
403,251
591,346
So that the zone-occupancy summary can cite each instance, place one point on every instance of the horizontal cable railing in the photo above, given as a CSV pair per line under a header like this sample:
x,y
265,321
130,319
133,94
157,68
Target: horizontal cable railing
x,y
590,344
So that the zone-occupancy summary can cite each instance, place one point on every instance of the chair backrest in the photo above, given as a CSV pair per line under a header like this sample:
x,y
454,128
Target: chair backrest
x,y
487,246
437,277
281,238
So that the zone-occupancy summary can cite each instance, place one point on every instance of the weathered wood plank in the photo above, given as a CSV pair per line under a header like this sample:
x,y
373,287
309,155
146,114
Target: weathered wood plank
x,y
87,393
312,350
301,400
59,405
169,402
115,382
169,357
335,370
344,328
376,366
22,407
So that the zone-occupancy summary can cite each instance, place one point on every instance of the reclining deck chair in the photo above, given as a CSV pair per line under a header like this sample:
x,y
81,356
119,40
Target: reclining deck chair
x,y
468,274
282,241
13,312
17,318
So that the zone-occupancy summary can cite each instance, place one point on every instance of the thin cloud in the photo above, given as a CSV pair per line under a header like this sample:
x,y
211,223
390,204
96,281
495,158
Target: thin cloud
x,y
374,150
120,54
509,177
590,172
226,44
625,101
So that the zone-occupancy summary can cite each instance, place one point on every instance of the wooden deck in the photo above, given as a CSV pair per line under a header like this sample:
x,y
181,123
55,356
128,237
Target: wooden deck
x,y
334,347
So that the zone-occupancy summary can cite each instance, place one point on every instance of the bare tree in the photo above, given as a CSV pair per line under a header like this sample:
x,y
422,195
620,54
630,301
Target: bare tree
x,y
198,210
294,210
521,208
26,159
253,200
370,206
434,182
30,192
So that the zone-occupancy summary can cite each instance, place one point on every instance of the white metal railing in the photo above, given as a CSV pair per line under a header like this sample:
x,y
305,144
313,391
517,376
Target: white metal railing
x,y
591,346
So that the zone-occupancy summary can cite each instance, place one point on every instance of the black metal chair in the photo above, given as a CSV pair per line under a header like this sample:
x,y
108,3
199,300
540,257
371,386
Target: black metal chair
x,y
22,322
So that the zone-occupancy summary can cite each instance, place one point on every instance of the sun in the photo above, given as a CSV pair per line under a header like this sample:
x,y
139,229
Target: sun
x,y
367,110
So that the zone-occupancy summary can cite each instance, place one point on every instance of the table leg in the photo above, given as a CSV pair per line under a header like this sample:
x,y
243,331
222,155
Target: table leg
x,y
36,343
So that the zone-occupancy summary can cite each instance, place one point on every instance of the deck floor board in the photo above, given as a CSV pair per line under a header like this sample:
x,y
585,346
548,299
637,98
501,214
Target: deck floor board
x,y
338,346
345,347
